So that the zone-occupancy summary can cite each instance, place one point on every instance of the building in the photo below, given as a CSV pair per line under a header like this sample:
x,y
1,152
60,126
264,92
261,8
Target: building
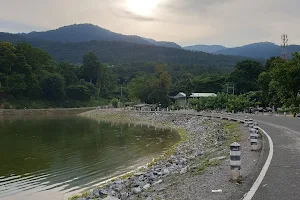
x,y
145,107
180,99
198,95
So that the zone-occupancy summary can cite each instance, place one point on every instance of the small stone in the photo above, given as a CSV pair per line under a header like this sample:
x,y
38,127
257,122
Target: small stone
x,y
124,195
158,182
141,178
137,190
138,173
184,170
111,198
217,158
103,192
160,189
117,187
166,171
147,186
96,192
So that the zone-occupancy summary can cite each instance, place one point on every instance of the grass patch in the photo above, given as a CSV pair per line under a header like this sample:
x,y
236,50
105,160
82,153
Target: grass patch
x,y
233,133
205,163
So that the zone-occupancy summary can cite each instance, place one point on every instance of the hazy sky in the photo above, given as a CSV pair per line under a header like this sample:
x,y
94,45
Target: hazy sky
x,y
186,22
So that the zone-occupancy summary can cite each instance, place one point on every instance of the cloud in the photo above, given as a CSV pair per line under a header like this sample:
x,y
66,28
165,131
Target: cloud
x,y
17,27
127,14
187,22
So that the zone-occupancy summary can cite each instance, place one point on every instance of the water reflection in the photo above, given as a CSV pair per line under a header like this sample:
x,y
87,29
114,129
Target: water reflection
x,y
60,154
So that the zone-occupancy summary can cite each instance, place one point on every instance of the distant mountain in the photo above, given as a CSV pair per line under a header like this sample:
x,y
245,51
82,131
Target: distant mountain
x,y
205,48
258,50
163,43
89,32
124,52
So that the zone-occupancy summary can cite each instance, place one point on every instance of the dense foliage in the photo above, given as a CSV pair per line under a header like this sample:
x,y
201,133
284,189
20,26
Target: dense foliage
x,y
223,101
29,75
280,83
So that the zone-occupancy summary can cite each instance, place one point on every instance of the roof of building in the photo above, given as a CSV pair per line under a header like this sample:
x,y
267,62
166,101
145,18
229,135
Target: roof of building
x,y
180,95
203,95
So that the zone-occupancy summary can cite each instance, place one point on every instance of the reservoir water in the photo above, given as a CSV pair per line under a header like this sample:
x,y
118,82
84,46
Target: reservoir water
x,y
53,157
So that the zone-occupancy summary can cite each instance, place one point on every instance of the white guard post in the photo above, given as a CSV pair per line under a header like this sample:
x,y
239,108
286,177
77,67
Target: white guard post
x,y
229,116
253,139
250,123
246,121
235,161
255,125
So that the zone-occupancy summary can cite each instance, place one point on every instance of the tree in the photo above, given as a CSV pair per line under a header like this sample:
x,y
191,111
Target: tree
x,y
7,57
17,85
90,68
160,94
53,86
69,72
78,92
34,90
245,76
20,66
140,88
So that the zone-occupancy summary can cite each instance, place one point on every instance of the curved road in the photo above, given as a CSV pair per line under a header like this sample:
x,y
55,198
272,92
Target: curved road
x,y
282,179
283,176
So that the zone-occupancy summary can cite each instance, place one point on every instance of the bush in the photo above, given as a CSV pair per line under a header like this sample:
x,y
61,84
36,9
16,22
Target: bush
x,y
115,103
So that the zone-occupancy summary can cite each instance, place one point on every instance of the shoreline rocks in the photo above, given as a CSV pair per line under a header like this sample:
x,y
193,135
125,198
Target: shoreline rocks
x,y
141,183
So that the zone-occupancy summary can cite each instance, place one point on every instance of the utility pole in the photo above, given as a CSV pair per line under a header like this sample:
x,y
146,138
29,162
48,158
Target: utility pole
x,y
228,88
284,45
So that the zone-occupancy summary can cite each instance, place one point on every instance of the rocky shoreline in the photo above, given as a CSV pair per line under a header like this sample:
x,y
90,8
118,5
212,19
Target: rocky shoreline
x,y
204,145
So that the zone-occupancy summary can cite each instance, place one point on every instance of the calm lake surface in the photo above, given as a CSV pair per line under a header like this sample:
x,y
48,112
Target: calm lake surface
x,y
51,157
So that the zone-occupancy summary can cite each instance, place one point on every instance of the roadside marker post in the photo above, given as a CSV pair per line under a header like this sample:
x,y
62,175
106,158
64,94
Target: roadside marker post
x,y
250,123
235,161
253,139
255,125
246,121
229,116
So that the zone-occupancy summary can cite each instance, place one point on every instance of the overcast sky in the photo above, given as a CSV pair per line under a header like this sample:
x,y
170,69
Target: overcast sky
x,y
186,22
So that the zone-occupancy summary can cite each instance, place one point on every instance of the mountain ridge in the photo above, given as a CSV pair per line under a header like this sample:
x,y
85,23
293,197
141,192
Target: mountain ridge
x,y
205,48
263,50
88,32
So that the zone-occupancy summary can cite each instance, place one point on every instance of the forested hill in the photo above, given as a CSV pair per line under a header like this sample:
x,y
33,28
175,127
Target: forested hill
x,y
122,52
205,48
89,32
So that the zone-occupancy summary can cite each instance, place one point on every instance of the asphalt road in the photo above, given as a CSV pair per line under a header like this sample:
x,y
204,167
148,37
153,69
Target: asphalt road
x,y
282,180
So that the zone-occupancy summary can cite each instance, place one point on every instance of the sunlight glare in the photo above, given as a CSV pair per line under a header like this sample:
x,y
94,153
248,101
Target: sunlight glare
x,y
142,7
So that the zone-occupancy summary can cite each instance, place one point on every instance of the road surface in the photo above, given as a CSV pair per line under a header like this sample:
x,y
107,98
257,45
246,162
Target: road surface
x,y
282,179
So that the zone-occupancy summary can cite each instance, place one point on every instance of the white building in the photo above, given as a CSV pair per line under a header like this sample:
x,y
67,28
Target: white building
x,y
198,95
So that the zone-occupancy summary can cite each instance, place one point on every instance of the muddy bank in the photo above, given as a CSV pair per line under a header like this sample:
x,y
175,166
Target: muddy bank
x,y
53,111
191,169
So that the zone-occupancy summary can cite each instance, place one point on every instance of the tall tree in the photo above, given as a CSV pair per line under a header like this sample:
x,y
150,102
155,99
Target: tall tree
x,y
53,86
245,76
91,67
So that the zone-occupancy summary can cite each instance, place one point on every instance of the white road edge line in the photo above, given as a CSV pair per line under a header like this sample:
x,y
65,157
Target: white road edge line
x,y
264,170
